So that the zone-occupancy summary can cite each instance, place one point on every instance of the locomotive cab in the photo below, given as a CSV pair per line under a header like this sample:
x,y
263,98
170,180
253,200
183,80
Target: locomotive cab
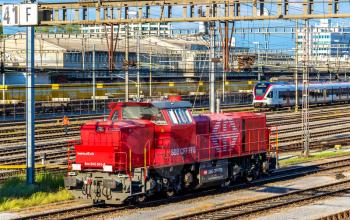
x,y
135,136
262,95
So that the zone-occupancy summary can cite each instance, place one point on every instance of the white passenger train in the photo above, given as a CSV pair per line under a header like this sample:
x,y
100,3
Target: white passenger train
x,y
274,95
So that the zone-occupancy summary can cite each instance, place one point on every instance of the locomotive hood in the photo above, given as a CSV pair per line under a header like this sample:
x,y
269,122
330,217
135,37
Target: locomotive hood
x,y
109,142
114,125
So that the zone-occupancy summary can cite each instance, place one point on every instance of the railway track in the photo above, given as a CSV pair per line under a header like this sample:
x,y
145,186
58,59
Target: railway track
x,y
337,216
313,125
42,137
13,132
86,211
244,209
18,128
53,141
289,138
296,119
7,151
320,138
16,154
79,212
15,124
328,129
286,118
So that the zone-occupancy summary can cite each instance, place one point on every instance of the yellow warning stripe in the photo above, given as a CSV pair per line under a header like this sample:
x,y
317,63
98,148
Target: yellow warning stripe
x,y
55,86
23,166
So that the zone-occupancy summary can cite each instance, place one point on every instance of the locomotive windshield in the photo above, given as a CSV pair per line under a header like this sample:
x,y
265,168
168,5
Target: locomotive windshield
x,y
260,89
180,116
142,112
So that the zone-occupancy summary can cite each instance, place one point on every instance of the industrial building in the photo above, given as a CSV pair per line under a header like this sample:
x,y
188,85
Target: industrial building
x,y
146,29
66,51
326,41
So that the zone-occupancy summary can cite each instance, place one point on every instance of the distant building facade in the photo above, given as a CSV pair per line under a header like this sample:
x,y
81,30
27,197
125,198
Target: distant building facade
x,y
325,41
155,29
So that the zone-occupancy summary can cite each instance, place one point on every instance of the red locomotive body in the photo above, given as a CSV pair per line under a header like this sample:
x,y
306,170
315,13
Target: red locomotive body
x,y
146,148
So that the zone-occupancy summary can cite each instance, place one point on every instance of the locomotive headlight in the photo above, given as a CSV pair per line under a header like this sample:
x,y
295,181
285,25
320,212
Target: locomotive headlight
x,y
100,129
107,168
76,166
72,173
88,181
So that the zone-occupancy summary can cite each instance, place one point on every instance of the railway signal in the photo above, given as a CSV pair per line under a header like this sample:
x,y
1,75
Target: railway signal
x,y
20,14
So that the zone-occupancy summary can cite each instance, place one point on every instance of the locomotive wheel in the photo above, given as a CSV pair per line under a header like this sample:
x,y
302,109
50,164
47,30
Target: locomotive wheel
x,y
188,179
97,202
249,178
170,193
257,173
140,199
254,174
225,186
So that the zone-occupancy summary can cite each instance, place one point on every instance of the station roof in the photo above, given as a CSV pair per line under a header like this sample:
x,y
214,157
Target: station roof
x,y
75,42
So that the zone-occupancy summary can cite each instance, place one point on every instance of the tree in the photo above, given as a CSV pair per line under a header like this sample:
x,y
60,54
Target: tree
x,y
69,29
65,29
43,29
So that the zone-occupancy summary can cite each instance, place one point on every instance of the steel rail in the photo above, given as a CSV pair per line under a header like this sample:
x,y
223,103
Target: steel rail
x,y
337,216
280,175
269,203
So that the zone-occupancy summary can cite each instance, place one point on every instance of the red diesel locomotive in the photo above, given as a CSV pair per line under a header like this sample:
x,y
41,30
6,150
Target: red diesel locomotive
x,y
159,147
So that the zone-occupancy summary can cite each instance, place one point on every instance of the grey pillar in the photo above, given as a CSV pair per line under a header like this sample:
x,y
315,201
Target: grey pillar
x,y
212,69
30,107
93,78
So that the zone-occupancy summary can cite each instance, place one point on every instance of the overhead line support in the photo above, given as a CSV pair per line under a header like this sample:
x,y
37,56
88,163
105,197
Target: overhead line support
x,y
75,12
30,105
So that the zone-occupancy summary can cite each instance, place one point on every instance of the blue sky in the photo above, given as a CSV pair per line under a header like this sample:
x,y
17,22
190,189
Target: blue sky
x,y
275,41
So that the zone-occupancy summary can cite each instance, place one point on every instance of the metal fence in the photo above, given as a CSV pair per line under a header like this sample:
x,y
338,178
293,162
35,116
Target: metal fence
x,y
53,109
57,109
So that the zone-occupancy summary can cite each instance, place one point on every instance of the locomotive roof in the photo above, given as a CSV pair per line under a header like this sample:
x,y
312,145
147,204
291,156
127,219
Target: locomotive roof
x,y
312,85
315,85
168,104
157,104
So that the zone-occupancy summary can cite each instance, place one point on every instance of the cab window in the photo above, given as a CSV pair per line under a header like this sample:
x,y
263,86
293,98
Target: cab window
x,y
159,119
260,89
115,115
180,116
144,113
270,95
172,116
139,112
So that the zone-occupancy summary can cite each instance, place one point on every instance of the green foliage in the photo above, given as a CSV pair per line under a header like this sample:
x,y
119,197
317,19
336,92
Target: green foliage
x,y
44,29
65,29
15,193
38,198
68,29
316,156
